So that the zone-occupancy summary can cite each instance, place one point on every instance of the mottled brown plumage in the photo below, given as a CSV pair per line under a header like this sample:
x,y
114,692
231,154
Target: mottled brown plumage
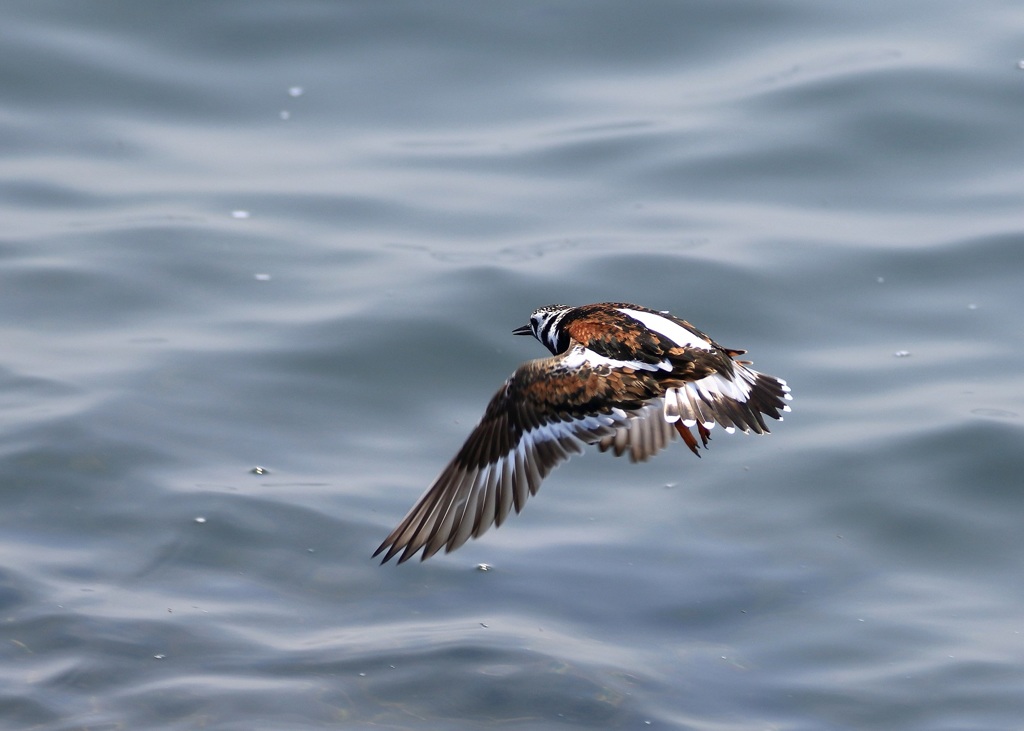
x,y
623,377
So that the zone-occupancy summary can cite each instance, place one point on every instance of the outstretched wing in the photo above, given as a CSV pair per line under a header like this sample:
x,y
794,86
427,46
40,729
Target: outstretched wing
x,y
546,412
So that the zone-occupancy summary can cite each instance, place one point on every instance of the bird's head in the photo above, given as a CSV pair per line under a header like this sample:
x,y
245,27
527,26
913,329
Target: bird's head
x,y
544,325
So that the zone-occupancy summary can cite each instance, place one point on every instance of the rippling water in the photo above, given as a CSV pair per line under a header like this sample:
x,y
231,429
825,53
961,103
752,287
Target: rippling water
x,y
297,236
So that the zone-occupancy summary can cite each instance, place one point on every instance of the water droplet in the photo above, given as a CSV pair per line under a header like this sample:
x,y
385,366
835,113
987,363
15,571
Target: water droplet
x,y
972,306
902,354
257,470
261,277
285,115
880,280
295,91
240,214
1020,64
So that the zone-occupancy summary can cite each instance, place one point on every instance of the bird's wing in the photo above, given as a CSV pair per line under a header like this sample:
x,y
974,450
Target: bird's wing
x,y
732,395
646,434
546,412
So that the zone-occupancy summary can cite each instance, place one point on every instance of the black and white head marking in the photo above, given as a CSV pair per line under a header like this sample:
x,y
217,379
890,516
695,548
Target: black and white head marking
x,y
545,325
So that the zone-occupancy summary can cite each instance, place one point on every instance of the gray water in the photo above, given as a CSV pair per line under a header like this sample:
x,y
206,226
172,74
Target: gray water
x,y
298,236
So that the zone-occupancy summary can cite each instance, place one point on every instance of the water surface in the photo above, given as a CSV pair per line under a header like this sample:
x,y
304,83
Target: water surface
x,y
297,236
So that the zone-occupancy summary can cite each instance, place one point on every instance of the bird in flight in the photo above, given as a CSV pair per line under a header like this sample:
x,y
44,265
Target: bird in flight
x,y
623,377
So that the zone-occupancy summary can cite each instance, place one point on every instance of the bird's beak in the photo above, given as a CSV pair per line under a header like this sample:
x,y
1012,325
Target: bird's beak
x,y
524,330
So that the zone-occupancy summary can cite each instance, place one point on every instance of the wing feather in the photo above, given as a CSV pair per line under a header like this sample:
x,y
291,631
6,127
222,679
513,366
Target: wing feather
x,y
643,436
545,413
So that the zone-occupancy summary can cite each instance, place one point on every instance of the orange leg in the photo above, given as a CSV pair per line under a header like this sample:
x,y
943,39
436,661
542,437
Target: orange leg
x,y
690,440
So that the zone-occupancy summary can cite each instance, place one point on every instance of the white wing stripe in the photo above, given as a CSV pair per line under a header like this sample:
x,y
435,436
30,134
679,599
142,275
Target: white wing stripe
x,y
580,356
671,330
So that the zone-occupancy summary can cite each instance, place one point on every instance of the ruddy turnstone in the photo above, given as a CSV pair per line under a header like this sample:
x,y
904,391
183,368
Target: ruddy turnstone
x,y
621,376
